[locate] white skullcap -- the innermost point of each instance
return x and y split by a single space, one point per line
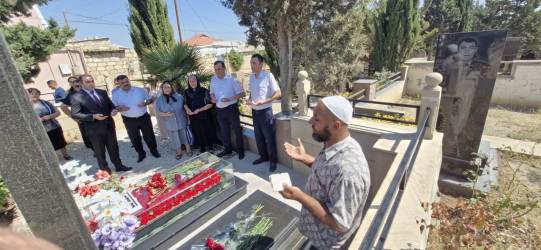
340 107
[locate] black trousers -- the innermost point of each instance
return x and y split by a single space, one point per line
229 119
138 125
106 140
86 140
203 132
264 133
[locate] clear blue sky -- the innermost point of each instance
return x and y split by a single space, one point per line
109 18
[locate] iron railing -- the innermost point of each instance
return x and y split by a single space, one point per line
387 210
355 114
245 123
391 79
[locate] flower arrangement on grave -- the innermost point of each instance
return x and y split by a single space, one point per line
164 192
110 222
241 234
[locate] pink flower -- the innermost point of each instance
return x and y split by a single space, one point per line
102 175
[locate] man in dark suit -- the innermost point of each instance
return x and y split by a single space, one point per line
94 108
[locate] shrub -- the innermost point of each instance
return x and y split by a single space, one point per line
236 59
4 193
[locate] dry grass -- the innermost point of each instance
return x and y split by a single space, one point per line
525 235
514 122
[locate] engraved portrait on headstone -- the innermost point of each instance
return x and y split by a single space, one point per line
469 63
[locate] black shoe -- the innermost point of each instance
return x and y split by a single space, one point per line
106 169
141 158
202 150
241 155
260 160
272 166
211 150
156 154
122 168
223 153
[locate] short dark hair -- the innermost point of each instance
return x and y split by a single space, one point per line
121 77
259 57
30 90
83 76
72 77
220 62
468 40
51 81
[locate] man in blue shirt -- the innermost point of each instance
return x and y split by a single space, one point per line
132 103
59 92
263 91
225 90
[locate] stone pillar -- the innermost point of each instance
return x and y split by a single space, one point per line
430 98
29 166
303 89
369 85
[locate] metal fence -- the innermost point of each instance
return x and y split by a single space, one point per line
388 81
389 205
355 114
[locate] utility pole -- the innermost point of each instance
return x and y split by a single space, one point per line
178 23
65 18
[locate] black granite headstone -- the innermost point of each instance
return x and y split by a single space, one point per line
469 63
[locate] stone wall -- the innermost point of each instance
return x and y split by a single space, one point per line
520 86
106 65
105 61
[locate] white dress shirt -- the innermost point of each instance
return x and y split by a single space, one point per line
131 99
90 94
225 88
262 88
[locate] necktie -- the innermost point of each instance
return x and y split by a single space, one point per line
96 98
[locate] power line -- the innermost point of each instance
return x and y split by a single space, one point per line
97 18
197 16
84 5
114 24
94 18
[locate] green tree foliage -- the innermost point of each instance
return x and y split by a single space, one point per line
12 8
332 51
149 25
174 62
236 59
521 17
31 45
4 193
279 24
443 16
397 28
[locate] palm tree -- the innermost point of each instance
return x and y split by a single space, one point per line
174 62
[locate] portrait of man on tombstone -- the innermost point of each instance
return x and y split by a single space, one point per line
469 64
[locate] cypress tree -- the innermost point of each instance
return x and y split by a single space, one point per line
466 14
397 27
149 24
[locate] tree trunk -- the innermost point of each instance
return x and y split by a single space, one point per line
285 55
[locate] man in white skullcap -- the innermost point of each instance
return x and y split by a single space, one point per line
338 184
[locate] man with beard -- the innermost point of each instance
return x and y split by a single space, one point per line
337 187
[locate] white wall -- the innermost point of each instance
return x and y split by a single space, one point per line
521 87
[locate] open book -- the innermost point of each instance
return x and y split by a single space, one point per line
277 181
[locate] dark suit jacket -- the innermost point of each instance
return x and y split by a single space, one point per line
83 107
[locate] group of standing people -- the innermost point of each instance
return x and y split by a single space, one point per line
92 109
336 189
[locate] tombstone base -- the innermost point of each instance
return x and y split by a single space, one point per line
454 179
